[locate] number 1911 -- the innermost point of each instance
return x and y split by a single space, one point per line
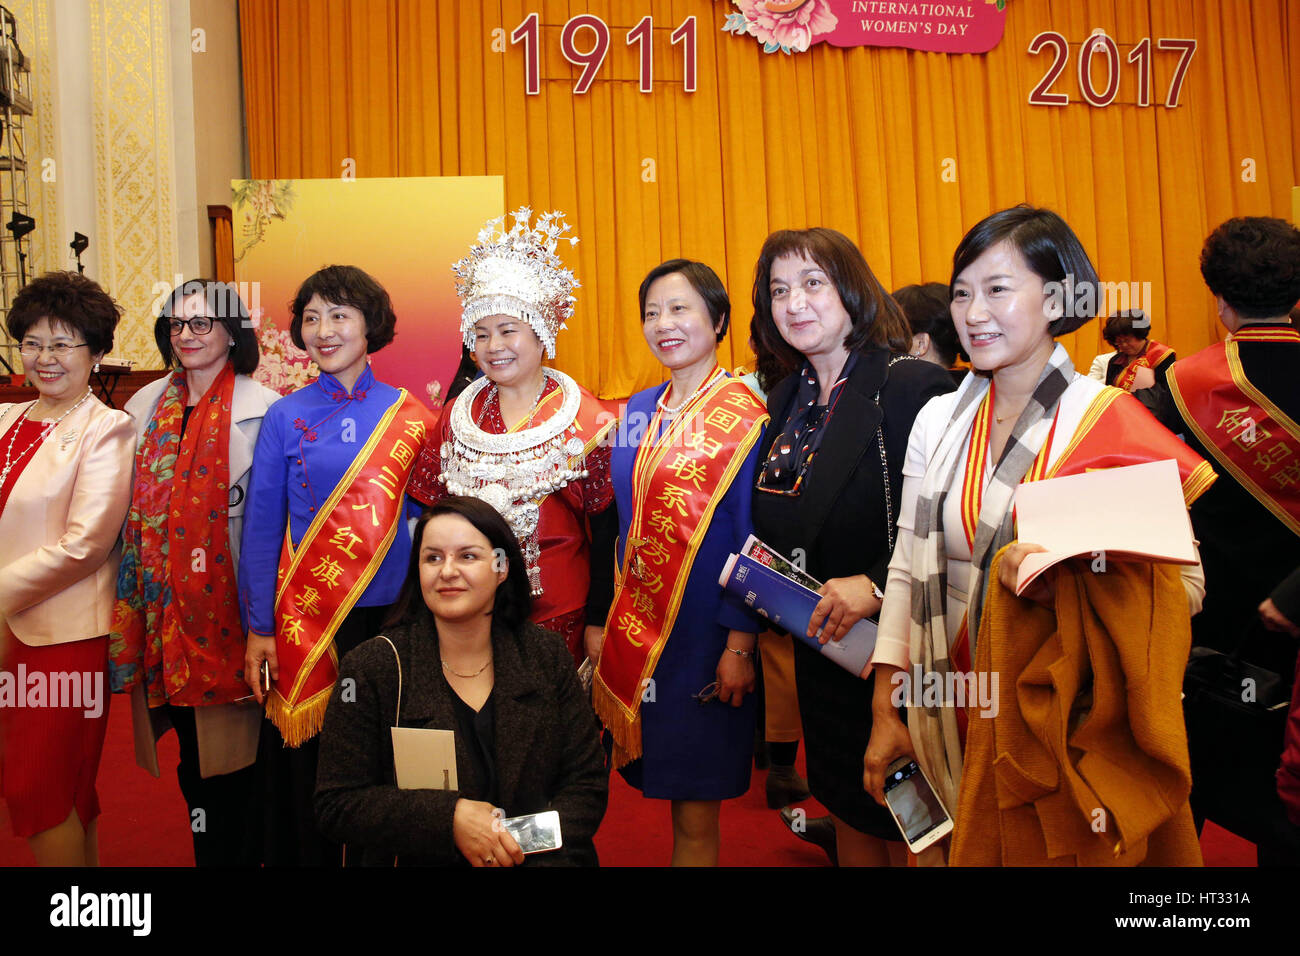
592 59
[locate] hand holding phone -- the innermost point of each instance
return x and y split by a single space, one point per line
914 805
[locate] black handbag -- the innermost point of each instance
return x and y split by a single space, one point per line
1236 715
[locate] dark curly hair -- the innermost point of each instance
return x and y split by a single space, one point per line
877 320
928 311
703 280
347 285
222 303
514 595
1049 247
68 299
1133 322
1253 263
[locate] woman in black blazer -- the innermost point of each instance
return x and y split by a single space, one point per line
525 734
828 488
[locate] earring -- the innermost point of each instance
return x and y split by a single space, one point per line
96 368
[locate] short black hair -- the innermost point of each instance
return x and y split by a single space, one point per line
1049 247
514 600
69 299
1253 263
347 285
876 318
703 280
1134 322
224 304
929 311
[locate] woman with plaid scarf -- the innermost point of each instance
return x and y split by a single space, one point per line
1020 278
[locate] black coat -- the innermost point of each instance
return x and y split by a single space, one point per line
548 754
839 524
839 519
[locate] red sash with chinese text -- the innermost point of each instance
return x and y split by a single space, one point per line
321 580
678 482
1156 354
1254 440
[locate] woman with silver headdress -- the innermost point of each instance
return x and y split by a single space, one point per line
525 438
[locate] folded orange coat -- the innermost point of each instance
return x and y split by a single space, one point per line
1085 762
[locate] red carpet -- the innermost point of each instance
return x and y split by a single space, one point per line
144 820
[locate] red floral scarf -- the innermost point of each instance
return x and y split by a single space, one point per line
176 625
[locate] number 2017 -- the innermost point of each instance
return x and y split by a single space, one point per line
592 59
1099 42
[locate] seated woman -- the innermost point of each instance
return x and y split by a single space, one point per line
459 654
1027 414
65 483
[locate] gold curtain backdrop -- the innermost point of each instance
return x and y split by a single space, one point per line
901 150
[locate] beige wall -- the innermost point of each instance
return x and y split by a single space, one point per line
218 145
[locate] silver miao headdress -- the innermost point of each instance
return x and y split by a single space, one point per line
516 272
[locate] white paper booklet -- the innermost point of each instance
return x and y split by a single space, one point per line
1134 513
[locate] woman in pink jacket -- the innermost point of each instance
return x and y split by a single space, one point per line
65 482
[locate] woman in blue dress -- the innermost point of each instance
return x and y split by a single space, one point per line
325 539
675 674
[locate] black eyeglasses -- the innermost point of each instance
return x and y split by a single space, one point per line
199 325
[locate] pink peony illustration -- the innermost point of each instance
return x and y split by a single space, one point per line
791 25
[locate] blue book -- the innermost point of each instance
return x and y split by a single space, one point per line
789 605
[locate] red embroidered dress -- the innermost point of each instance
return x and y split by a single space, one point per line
565 561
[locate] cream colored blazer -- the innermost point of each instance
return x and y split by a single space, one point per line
59 530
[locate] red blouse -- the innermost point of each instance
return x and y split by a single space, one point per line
30 433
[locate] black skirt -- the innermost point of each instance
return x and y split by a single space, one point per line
835 707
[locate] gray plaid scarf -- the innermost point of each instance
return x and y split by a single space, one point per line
934 729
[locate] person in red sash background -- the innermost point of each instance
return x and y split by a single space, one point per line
1238 403
525 438
676 669
1139 361
1020 278
325 537
177 644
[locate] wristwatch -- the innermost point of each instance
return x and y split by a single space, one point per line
880 595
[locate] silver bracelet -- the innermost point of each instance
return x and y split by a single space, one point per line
741 653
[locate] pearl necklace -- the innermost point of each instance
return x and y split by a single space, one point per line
682 404
10 461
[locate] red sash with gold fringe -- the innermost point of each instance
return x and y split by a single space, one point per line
1254 440
1156 354
321 580
678 482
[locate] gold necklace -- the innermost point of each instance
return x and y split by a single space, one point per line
447 667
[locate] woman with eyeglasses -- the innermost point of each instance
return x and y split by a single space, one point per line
676 666
177 644
65 483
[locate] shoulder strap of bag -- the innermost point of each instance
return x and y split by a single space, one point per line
397 722
890 524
